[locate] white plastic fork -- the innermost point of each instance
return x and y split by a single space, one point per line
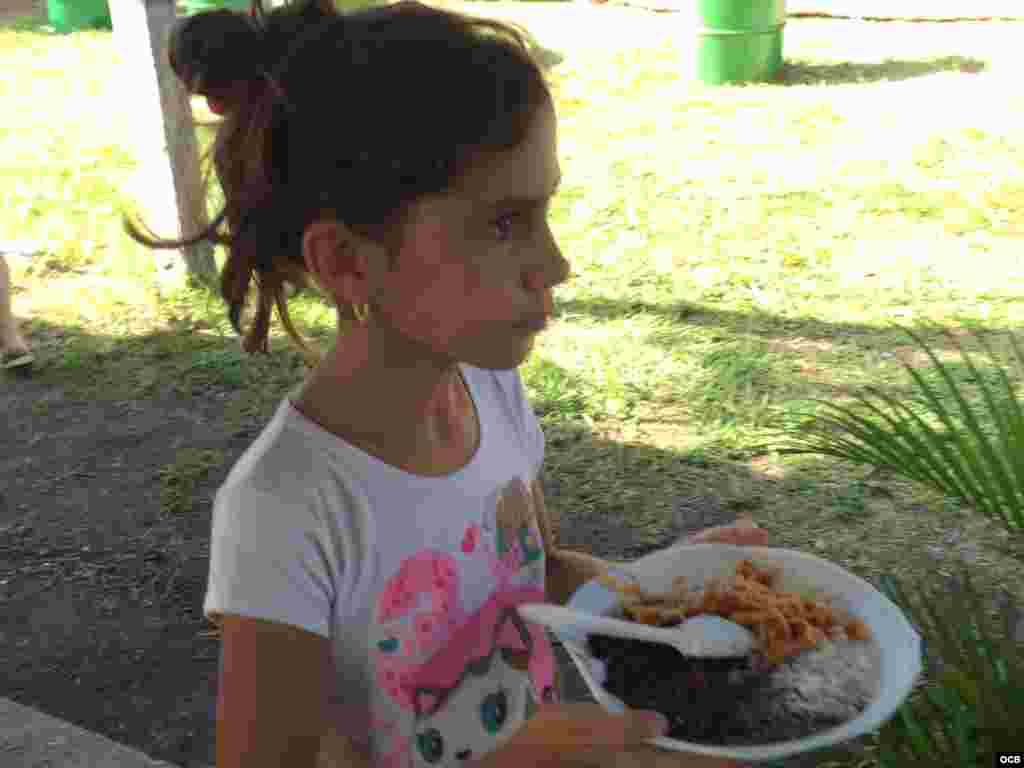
699 636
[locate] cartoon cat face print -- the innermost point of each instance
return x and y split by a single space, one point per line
488 706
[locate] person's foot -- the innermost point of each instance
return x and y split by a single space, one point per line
16 355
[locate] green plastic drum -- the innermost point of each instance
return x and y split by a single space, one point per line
190 7
739 41
73 15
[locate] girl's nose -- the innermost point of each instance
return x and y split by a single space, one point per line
556 274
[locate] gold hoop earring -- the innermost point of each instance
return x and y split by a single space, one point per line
362 312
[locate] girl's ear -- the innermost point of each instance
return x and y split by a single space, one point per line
321 252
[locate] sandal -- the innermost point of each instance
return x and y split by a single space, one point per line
21 360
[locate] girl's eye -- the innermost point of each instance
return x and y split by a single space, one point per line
503 225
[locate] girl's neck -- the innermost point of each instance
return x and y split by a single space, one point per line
415 417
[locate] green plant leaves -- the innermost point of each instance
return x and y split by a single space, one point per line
976 453
976 703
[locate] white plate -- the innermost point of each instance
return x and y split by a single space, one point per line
898 643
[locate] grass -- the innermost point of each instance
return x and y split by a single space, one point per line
178 480
738 252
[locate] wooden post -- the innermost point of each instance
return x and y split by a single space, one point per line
173 204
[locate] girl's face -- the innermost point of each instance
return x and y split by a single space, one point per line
474 277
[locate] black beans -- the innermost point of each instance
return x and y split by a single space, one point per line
716 701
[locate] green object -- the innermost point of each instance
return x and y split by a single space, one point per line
739 41
190 7
73 15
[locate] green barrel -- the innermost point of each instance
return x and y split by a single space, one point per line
189 7
739 41
73 15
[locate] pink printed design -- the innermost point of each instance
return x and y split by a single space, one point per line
428 573
474 640
531 539
429 643
513 557
503 567
398 640
471 539
428 628
517 547
395 600
395 677
397 755
510 565
419 605
418 688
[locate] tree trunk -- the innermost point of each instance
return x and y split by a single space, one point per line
173 203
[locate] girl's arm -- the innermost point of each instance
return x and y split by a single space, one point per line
566 570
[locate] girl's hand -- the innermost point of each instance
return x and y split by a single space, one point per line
586 736
743 532
647 756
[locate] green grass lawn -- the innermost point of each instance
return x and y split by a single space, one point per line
738 252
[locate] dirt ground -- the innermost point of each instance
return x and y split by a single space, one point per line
101 593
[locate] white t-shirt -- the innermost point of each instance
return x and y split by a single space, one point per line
413 579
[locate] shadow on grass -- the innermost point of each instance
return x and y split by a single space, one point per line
767 325
892 70
611 491
767 366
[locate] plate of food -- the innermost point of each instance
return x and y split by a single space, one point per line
833 657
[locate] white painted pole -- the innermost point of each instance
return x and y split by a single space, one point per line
169 184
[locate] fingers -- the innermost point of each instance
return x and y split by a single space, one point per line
743 534
578 726
640 725
587 736
755 537
653 757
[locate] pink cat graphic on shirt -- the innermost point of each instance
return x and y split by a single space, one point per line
459 675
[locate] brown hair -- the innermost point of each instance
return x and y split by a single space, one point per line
353 115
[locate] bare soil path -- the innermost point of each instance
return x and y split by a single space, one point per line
101 593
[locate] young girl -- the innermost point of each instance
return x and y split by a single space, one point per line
370 548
